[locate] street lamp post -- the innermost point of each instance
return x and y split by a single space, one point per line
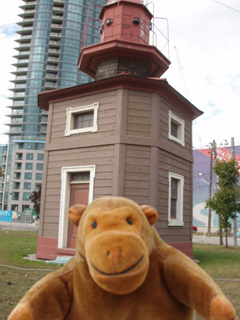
235 220
212 151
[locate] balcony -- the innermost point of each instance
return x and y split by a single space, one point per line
25 21
18 89
22 46
25 30
53 59
16 186
20 71
15 113
56 26
55 35
19 79
57 17
51 67
50 76
14 122
50 85
17 104
53 43
20 139
25 38
21 62
58 9
17 95
44 121
13 131
27 13
21 54
54 51
43 130
30 4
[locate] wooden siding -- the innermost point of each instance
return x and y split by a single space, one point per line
139 114
102 157
165 107
171 163
137 173
106 116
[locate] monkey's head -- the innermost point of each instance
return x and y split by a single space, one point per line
116 238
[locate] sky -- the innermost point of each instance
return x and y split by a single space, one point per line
204 49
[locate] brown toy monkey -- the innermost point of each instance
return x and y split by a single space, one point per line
122 270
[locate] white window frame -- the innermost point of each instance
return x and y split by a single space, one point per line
65 199
73 111
181 128
179 214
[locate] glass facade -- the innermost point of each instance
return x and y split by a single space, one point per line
49 43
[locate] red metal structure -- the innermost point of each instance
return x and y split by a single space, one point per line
125 34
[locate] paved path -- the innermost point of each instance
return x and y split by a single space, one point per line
19 226
213 240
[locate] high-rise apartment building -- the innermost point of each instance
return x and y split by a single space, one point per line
3 157
47 54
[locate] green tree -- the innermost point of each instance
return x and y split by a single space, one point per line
35 198
1 172
224 201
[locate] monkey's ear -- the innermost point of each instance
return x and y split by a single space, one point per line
75 213
150 213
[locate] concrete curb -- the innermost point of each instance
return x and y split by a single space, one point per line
19 226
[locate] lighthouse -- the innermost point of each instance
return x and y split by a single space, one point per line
128 134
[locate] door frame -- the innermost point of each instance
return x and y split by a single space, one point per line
65 198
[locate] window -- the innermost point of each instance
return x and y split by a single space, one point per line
17 175
27 186
175 205
26 196
40 156
39 176
176 129
15 196
19 156
29 156
28 176
39 166
82 119
28 166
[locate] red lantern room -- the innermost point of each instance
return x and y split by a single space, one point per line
125 20
124 46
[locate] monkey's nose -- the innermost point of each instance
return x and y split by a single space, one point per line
114 254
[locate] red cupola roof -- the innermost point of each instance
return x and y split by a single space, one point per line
124 45
132 1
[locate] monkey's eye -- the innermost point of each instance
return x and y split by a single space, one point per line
129 221
94 224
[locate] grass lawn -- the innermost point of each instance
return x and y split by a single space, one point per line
13 282
219 262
